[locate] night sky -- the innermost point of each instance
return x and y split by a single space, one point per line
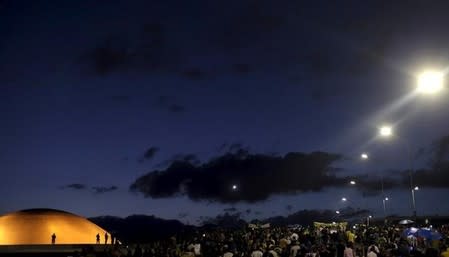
160 107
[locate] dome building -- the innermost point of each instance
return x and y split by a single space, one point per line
37 226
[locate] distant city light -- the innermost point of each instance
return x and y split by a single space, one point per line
234 187
364 156
416 188
352 182
344 199
386 199
337 212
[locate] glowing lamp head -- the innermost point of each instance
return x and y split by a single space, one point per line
344 199
337 212
364 156
386 131
430 82
234 187
352 182
386 199
416 188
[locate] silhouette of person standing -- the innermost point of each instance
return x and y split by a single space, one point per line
112 239
106 238
98 238
53 239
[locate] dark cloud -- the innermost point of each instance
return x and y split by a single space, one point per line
437 175
183 215
162 99
353 38
102 190
194 74
153 35
222 147
75 186
241 68
235 147
438 178
372 185
108 57
189 158
259 176
167 103
351 213
176 108
226 220
121 98
150 153
440 149
147 50
231 209
239 150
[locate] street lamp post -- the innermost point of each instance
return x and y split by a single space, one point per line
368 220
387 132
365 157
428 82
413 200
344 199
384 200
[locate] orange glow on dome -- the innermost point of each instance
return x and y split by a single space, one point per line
36 226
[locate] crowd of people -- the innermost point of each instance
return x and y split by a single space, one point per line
360 241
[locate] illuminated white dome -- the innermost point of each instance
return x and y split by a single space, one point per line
36 226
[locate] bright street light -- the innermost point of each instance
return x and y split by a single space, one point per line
364 156
430 82
344 199
337 212
386 131
386 198
234 187
416 188
352 182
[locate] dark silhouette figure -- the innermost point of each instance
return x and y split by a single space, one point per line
112 239
53 239
98 238
106 236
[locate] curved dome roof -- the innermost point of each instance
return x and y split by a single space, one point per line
36 226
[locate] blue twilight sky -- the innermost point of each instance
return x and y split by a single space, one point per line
89 87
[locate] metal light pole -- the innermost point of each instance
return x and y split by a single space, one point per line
414 201
385 206
387 132
365 157
368 220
